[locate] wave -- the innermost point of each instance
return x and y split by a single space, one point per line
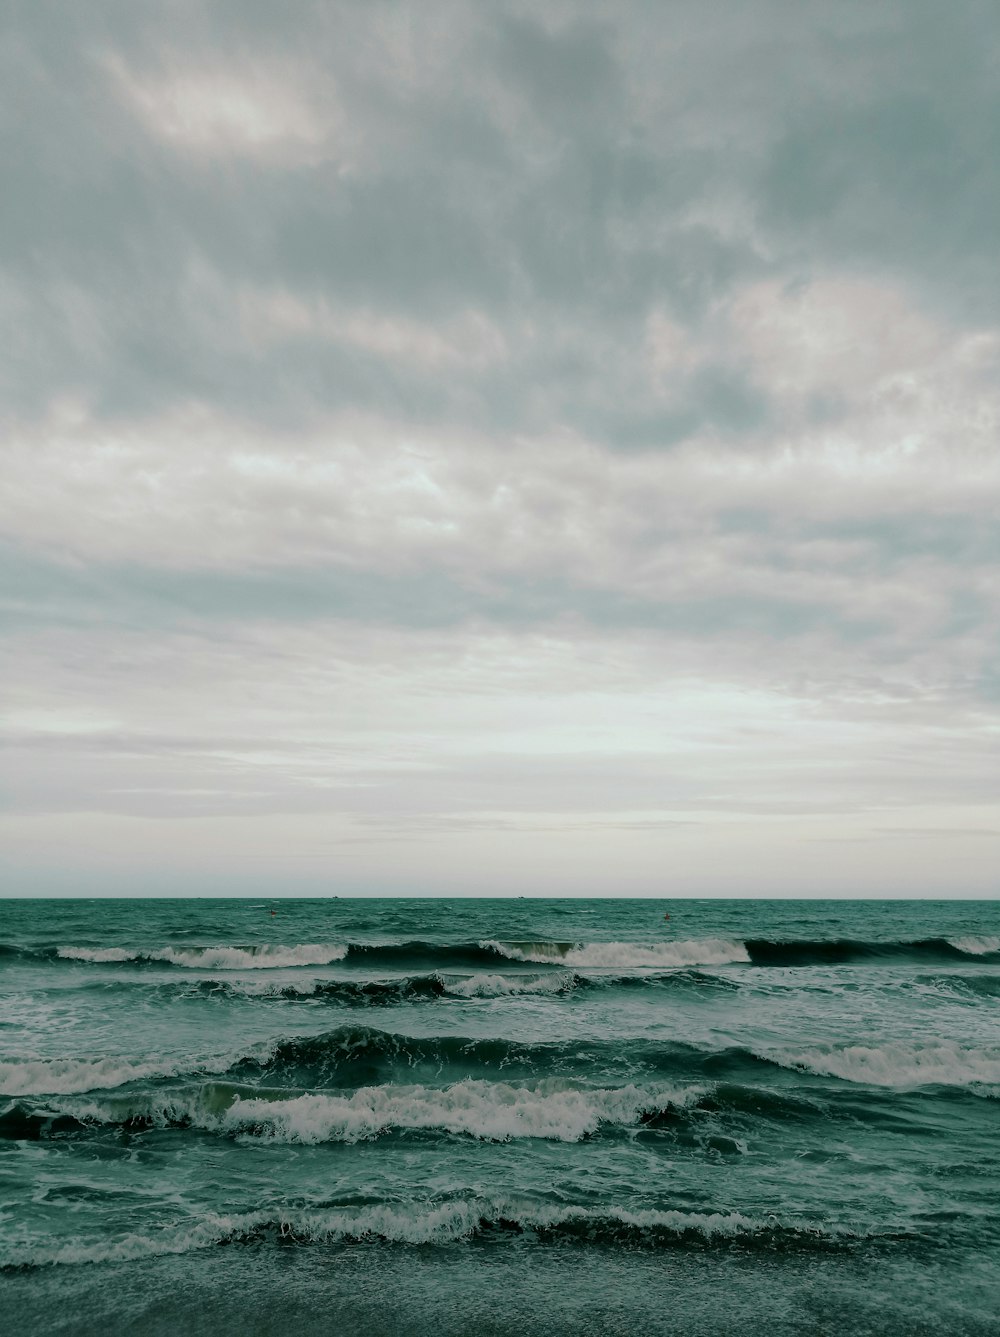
970 987
752 951
502 986
386 993
494 986
411 988
848 951
344 1056
361 1052
362 1055
358 1055
552 1109
973 945
394 955
901 1065
65 1076
713 1117
389 955
263 957
671 954
463 1220
603 955
347 993
22 1122
347 1055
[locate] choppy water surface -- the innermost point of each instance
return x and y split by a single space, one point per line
499 1116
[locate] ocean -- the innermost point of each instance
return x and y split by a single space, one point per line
499 1116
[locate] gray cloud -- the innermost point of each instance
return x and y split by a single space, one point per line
583 361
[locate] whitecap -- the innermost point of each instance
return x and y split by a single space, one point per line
264 957
417 1224
552 1109
626 955
65 1076
976 945
899 1065
499 986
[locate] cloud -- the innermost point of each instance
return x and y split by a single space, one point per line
216 113
667 339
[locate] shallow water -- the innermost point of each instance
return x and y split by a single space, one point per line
518 1115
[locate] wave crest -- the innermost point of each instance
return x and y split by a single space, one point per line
670 954
66 1076
973 945
461 1220
551 1109
624 955
901 1065
263 957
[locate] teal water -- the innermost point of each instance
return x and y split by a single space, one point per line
500 1116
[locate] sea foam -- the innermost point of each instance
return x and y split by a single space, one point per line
500 986
900 1065
553 1110
973 945
264 957
625 955
448 1222
64 1076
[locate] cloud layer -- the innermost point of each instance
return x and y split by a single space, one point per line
501 448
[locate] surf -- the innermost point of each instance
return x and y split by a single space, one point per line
469 1220
669 954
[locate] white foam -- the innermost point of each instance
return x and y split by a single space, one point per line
264 957
211 1230
99 954
900 1065
64 1076
499 986
976 945
262 988
403 1223
458 1220
626 955
554 1109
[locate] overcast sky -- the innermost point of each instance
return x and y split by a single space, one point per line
457 448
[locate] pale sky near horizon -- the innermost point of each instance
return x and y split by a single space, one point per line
500 448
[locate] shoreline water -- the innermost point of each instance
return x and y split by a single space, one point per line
531 1116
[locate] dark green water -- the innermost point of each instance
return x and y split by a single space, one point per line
500 1116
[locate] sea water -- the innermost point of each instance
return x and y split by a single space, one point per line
500 1116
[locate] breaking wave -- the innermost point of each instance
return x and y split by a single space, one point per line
624 955
499 986
262 957
671 954
551 1109
976 946
847 951
971 987
345 1056
64 1076
415 988
901 1065
349 1057
464 1220
346 993
359 1053
387 993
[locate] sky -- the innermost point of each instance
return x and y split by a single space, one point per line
500 448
